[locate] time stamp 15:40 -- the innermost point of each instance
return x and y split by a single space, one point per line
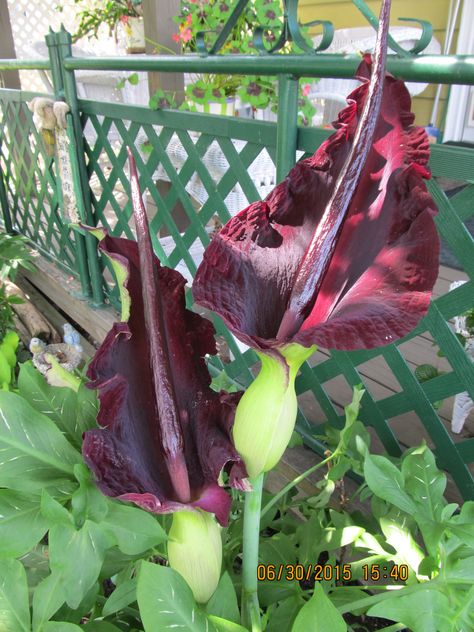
329 572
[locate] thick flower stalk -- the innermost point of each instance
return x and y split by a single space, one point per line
164 435
343 253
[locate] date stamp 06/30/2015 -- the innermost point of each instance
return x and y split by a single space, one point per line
329 572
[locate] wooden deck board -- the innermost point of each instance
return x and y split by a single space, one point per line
51 313
64 291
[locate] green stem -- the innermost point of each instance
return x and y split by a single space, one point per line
250 605
296 481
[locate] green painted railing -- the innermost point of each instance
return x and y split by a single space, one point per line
174 151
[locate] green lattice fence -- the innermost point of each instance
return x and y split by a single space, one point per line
187 196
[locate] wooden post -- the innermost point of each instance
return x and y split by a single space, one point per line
159 28
11 78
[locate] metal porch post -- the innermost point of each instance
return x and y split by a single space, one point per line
79 240
287 124
78 165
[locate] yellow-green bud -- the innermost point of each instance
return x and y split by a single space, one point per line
266 414
195 551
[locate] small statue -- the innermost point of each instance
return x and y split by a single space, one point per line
67 354
48 115
71 336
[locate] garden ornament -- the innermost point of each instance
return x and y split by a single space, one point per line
342 254
66 355
48 115
71 336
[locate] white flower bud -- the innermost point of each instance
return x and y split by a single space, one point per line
195 551
266 414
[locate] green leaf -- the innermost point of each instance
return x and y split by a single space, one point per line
336 538
351 412
133 79
87 501
386 481
100 626
339 469
424 482
5 370
421 611
426 372
462 569
309 536
53 511
224 625
223 602
133 529
73 412
21 525
9 347
14 606
284 615
327 487
279 549
15 300
166 601
123 596
319 615
426 485
77 556
448 511
33 452
61 626
463 525
48 597
271 592
36 563
428 566
76 614
115 562
397 533
56 403
87 408
296 439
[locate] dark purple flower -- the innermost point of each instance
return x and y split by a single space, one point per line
164 435
344 252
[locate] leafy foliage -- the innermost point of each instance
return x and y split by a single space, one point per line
92 15
14 254
70 539
208 19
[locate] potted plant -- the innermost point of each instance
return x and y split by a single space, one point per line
217 93
124 14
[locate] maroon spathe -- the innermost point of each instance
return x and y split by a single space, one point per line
154 415
385 262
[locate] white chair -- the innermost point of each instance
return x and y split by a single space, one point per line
329 94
